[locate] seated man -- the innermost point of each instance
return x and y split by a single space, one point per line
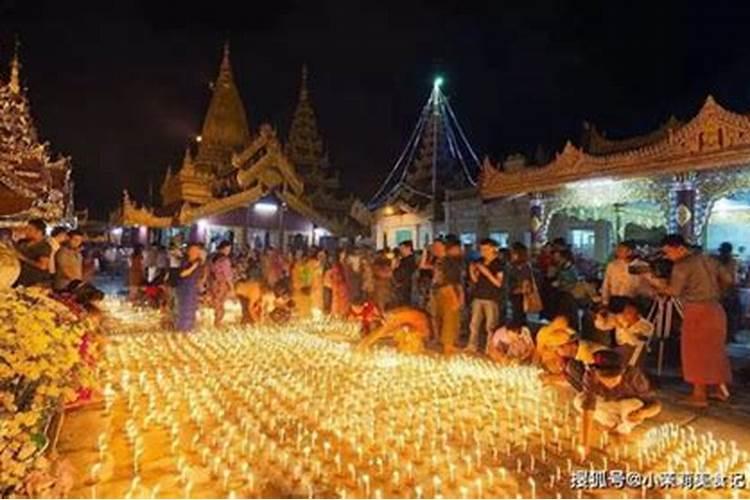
556 343
614 395
632 331
409 328
511 342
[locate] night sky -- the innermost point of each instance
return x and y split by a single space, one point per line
122 86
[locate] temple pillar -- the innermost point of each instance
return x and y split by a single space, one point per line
282 239
536 220
619 226
682 198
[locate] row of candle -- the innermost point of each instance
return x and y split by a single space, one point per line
287 411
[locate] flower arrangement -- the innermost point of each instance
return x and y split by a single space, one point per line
45 362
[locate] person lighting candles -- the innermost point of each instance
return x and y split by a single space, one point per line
614 395
511 342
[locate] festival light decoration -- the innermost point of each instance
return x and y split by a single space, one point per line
293 410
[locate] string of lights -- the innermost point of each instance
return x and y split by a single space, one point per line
436 117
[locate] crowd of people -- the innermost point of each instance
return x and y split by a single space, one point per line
509 304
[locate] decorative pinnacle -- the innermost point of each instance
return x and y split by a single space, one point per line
303 87
225 69
15 69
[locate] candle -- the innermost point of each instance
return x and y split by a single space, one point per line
532 485
95 471
478 485
436 485
366 483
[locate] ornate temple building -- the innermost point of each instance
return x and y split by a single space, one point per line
412 201
305 149
691 177
32 183
246 185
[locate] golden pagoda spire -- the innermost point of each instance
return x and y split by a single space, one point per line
225 130
15 71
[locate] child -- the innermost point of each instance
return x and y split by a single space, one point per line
511 342
556 345
614 395
632 331
368 314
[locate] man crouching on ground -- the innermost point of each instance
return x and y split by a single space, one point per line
615 395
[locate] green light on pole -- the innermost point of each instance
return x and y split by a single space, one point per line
438 82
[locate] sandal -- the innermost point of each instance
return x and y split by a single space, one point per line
721 394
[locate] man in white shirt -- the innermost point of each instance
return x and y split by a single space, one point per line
619 283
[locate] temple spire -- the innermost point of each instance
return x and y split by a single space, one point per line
304 145
303 86
225 130
15 72
225 70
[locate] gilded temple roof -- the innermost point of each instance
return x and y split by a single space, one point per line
225 129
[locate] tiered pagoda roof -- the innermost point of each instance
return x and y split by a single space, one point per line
596 142
234 168
305 149
32 184
714 139
225 130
